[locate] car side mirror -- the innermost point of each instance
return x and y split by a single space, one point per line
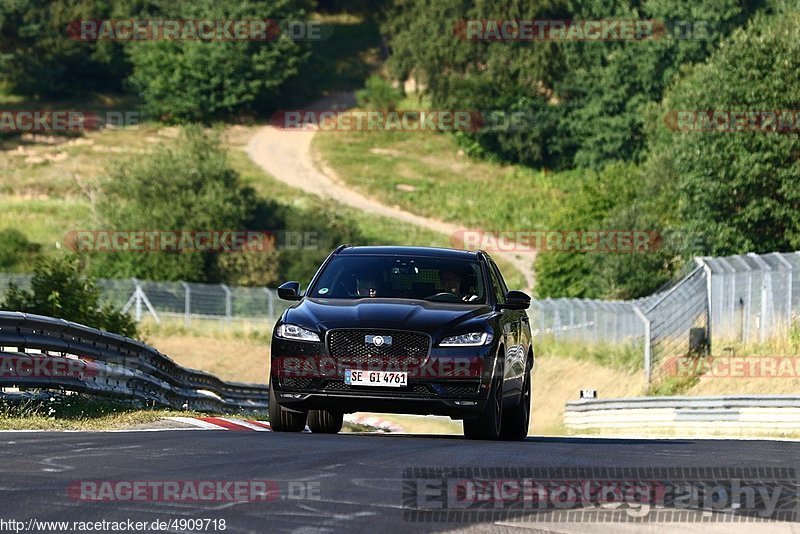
289 291
516 300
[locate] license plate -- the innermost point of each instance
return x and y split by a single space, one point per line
395 379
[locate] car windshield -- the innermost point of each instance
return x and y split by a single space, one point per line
405 277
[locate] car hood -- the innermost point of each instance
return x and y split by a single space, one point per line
401 314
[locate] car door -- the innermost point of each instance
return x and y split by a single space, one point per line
515 351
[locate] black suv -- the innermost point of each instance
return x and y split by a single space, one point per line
410 330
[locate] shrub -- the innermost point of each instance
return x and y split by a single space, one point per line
189 186
58 289
378 94
15 249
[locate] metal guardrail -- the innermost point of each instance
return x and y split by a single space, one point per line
745 413
44 352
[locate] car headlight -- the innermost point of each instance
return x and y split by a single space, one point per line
292 331
473 339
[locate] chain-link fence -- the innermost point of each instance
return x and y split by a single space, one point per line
592 321
675 320
753 297
143 298
746 298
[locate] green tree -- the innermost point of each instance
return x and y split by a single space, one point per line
736 192
584 99
191 80
618 198
39 57
59 289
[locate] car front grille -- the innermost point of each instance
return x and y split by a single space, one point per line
462 389
407 351
339 385
296 383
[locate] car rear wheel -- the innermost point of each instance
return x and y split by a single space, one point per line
516 419
325 422
488 424
282 420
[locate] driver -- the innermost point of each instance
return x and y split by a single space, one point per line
451 281
366 286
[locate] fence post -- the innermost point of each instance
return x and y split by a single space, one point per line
270 302
709 293
766 296
571 317
647 350
187 305
747 308
541 317
556 320
228 307
789 276
138 301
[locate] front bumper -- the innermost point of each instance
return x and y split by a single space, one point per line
379 402
453 381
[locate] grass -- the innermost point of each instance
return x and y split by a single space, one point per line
77 412
427 173
373 228
626 358
44 201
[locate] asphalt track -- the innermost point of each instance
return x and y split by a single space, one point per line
359 476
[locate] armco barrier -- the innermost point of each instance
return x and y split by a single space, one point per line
734 414
64 355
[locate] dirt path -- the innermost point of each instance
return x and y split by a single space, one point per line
286 155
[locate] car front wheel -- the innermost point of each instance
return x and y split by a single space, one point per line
325 422
282 420
489 423
516 419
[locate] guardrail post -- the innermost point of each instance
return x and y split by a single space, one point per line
187 305
647 350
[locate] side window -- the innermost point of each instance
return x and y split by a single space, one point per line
498 286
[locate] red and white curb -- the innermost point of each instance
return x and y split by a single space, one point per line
250 425
224 423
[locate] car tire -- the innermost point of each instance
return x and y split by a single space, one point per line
325 422
489 423
516 420
282 420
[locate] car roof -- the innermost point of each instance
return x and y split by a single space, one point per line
431 252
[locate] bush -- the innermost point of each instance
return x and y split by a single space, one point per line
186 186
15 249
378 94
58 289
621 198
